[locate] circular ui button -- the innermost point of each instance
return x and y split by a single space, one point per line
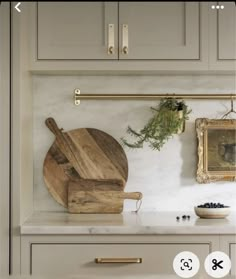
186 264
217 264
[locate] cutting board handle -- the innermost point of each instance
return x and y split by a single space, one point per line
64 144
131 195
52 126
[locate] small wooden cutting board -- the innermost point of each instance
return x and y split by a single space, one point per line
91 196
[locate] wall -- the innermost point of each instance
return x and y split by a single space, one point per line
166 178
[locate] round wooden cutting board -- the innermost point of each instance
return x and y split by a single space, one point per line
94 155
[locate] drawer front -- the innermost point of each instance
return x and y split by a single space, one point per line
74 259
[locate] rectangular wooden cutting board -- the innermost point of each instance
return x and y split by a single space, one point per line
97 196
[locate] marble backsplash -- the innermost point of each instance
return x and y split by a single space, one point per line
167 178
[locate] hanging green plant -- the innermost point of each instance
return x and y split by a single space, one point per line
168 119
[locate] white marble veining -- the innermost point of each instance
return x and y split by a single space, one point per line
166 178
127 223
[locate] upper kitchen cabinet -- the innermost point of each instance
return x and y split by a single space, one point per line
159 30
148 30
222 36
77 30
118 36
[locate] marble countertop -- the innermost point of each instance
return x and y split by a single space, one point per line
126 223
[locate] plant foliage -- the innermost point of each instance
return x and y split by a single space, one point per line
164 123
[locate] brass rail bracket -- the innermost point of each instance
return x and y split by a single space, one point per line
77 97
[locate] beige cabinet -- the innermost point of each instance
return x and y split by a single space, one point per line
130 36
232 249
228 246
222 35
159 30
117 36
147 30
157 258
77 30
135 255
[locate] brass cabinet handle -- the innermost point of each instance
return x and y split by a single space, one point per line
111 50
125 39
125 50
118 260
111 39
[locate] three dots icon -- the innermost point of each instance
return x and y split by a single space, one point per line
217 7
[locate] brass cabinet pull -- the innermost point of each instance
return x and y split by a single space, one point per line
111 50
125 49
111 39
118 260
125 39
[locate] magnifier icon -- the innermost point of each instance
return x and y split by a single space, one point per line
186 264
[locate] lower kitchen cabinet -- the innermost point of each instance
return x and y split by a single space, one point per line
55 255
143 244
232 253
228 246
76 258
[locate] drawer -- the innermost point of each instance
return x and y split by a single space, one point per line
74 258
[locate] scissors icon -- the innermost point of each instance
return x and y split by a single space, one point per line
216 264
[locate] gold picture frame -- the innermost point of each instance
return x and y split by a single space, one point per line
216 150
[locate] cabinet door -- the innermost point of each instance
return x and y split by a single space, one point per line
222 35
232 249
228 246
160 30
76 30
226 22
73 259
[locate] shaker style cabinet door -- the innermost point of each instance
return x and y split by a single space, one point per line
226 22
159 30
77 30
222 35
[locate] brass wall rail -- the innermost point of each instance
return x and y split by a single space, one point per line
78 96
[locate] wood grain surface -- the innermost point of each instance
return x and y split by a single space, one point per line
97 197
84 153
96 184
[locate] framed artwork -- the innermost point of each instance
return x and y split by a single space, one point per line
216 150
